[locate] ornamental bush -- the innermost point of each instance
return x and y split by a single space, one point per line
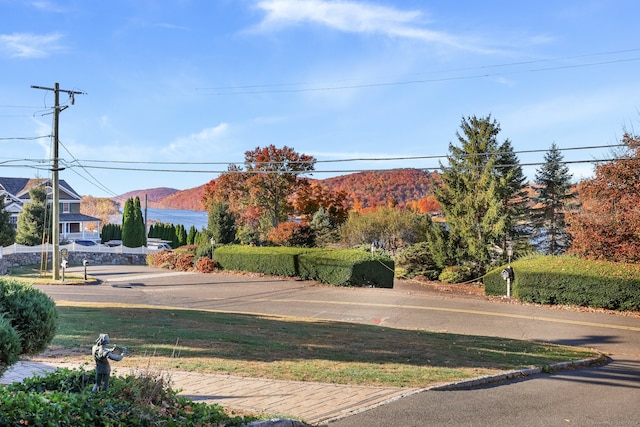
9 345
64 397
31 312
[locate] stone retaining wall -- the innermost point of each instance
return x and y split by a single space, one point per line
75 258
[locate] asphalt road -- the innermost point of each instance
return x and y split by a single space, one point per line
604 396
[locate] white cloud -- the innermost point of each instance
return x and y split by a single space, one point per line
358 17
196 142
27 45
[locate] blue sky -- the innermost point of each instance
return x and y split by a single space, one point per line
193 84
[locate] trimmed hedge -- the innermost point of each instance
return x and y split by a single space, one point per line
337 267
276 261
346 268
567 280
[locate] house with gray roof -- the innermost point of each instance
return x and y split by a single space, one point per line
73 224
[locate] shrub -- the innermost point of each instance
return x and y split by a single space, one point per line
569 280
338 267
184 262
455 274
9 345
63 397
416 260
31 312
205 265
266 260
164 259
346 268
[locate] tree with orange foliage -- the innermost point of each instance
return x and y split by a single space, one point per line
608 224
268 180
310 198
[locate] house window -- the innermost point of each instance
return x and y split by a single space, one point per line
66 207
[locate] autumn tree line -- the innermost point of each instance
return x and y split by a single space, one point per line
481 208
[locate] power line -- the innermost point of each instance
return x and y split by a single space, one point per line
356 159
24 138
268 88
94 181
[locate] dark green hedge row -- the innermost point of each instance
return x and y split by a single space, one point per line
336 267
566 280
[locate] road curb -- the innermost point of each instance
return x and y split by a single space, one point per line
481 381
521 373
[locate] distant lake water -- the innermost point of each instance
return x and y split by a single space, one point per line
198 219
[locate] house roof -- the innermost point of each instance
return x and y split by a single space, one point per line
17 186
76 217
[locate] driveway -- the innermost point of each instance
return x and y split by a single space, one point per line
608 395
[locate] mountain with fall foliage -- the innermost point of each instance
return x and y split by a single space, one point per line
378 188
364 189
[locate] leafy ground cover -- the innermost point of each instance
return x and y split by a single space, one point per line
64 398
294 348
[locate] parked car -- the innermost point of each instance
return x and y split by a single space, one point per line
85 242
159 246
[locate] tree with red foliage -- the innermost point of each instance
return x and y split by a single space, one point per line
608 224
268 180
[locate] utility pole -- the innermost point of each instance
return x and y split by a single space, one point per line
55 168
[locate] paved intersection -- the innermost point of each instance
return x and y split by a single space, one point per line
405 306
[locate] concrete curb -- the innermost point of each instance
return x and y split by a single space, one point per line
521 373
488 379
277 422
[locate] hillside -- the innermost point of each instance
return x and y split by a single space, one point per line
154 196
367 189
377 188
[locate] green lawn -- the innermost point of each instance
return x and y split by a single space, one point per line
296 349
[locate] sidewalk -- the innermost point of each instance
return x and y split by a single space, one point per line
313 403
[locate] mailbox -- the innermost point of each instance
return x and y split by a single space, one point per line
507 274
85 262
64 263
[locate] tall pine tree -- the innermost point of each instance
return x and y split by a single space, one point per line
140 227
471 194
553 196
514 198
128 227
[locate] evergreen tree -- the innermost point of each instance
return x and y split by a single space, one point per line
128 225
325 228
191 236
471 194
222 223
553 196
33 221
133 228
7 230
111 232
514 197
141 227
181 235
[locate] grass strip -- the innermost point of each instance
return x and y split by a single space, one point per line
287 348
